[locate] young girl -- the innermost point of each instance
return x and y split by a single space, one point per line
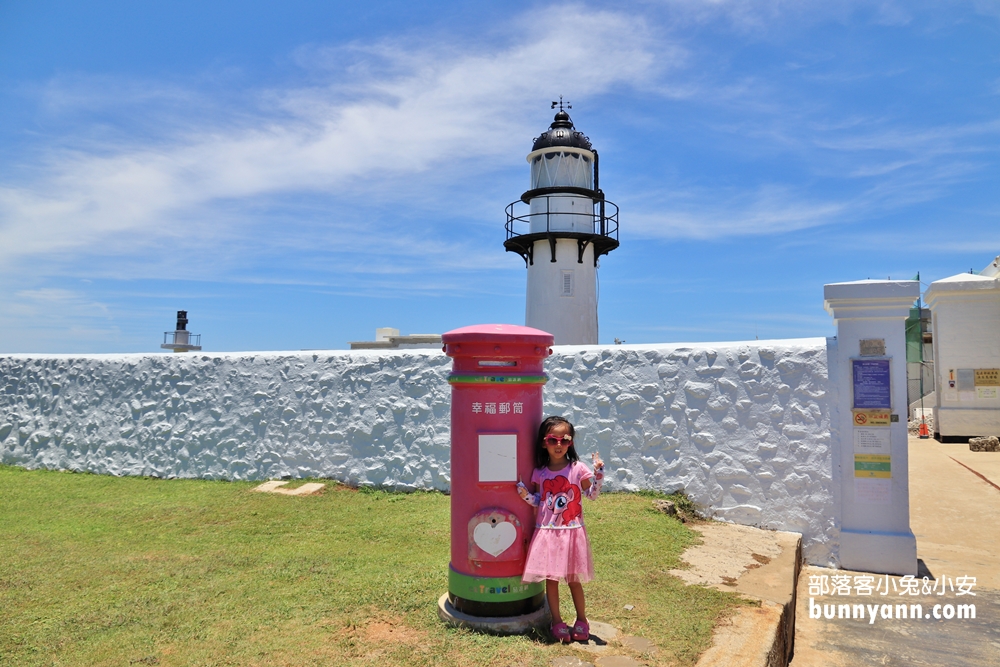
559 549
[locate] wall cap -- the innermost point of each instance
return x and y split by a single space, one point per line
963 284
870 299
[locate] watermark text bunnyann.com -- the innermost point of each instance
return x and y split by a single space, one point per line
901 605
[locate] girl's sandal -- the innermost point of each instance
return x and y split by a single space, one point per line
561 632
581 631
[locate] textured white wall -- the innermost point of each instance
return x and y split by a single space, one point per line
744 428
363 417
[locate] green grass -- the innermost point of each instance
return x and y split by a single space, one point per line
135 571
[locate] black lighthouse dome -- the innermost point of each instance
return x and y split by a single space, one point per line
562 133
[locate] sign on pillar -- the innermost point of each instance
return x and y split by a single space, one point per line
871 390
868 375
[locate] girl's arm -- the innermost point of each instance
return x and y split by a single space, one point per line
532 499
593 489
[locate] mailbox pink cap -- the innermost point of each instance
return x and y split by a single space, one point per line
512 333
497 341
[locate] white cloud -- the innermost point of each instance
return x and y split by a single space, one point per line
761 17
426 108
926 142
701 214
386 132
35 317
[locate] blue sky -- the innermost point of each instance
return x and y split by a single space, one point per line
297 174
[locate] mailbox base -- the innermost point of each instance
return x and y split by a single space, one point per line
500 625
495 609
493 596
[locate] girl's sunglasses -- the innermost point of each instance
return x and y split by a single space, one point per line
564 440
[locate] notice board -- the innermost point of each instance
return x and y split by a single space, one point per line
872 384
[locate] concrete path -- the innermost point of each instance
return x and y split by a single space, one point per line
954 504
275 486
757 563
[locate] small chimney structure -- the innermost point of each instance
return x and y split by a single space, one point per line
181 340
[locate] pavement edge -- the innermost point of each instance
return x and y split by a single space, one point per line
762 636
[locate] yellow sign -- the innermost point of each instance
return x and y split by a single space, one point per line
988 377
873 465
871 417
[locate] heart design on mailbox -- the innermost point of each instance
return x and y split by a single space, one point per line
494 537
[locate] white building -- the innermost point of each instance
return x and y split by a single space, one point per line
966 323
388 338
568 226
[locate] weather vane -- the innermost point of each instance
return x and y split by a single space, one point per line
560 104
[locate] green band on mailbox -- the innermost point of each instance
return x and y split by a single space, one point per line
491 589
498 379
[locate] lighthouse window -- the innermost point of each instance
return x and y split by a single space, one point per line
567 283
558 170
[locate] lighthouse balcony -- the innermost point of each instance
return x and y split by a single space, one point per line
562 216
181 341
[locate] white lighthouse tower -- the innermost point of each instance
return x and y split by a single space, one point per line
568 226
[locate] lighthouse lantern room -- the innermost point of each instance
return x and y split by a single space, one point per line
567 227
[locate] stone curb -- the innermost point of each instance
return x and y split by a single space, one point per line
761 636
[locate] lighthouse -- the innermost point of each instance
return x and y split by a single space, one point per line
561 236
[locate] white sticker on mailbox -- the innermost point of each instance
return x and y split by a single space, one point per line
498 458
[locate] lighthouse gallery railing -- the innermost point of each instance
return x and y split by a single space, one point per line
603 220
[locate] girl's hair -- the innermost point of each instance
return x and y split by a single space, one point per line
542 454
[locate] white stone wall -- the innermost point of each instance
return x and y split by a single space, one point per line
743 428
361 417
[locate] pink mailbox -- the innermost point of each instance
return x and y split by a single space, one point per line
496 407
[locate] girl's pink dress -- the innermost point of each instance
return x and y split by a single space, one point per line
560 549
